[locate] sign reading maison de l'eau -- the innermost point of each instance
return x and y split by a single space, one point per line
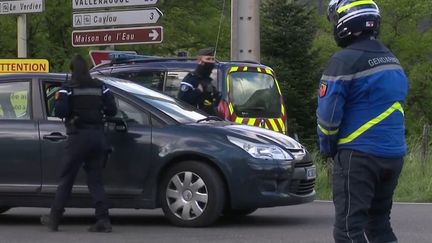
21 7
83 4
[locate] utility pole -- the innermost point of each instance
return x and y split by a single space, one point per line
22 35
245 30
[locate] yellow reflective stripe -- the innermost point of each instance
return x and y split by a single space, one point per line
228 84
353 4
396 106
266 126
259 70
233 69
231 108
281 123
283 110
268 70
238 120
327 132
251 121
245 69
277 85
273 123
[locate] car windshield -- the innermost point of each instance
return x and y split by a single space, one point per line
255 95
174 108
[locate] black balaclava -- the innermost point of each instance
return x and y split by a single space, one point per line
204 70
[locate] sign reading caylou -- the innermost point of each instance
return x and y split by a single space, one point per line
85 4
113 18
21 7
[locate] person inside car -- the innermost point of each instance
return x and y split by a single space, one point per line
197 89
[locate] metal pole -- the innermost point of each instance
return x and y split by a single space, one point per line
22 35
245 30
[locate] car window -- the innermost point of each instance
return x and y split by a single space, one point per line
15 100
50 88
255 94
130 114
173 82
150 79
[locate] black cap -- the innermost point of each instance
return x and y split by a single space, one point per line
206 52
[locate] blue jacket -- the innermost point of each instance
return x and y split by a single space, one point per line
360 101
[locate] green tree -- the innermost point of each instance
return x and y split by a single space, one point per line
287 35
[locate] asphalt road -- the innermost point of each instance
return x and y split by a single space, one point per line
303 223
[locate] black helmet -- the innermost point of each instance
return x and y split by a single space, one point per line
351 18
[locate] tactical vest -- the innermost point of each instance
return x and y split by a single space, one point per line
87 105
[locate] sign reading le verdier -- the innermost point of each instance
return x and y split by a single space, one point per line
21 7
83 4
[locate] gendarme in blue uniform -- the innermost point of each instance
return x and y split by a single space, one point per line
360 102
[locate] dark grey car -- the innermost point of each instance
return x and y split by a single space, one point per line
171 156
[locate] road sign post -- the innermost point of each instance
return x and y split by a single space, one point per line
120 36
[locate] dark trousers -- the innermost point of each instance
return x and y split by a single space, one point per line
87 147
363 187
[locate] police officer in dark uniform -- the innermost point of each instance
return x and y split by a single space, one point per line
361 123
84 103
197 89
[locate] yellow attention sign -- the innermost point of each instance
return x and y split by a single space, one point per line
24 66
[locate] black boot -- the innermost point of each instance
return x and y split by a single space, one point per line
102 225
52 220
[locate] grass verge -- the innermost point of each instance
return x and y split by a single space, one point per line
415 182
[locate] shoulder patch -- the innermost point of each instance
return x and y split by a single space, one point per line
322 89
184 88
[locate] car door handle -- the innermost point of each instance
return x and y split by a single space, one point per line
55 136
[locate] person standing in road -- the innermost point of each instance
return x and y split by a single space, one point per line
196 88
361 123
84 102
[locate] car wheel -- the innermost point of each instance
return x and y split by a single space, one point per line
239 212
192 194
3 209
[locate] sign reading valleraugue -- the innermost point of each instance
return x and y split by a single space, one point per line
83 4
21 7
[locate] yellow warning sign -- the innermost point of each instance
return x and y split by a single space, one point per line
24 66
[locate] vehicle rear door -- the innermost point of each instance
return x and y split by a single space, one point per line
254 98
20 165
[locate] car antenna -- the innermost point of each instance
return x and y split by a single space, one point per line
220 27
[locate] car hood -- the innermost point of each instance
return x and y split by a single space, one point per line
254 134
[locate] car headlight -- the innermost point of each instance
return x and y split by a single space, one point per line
261 151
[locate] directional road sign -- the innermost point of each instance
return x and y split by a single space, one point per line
21 7
87 4
121 36
117 18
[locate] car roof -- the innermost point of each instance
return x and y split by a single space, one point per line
168 62
32 75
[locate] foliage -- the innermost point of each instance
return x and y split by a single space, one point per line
286 40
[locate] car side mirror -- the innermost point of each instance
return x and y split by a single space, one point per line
119 124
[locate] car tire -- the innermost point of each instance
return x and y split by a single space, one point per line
192 194
3 209
239 212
